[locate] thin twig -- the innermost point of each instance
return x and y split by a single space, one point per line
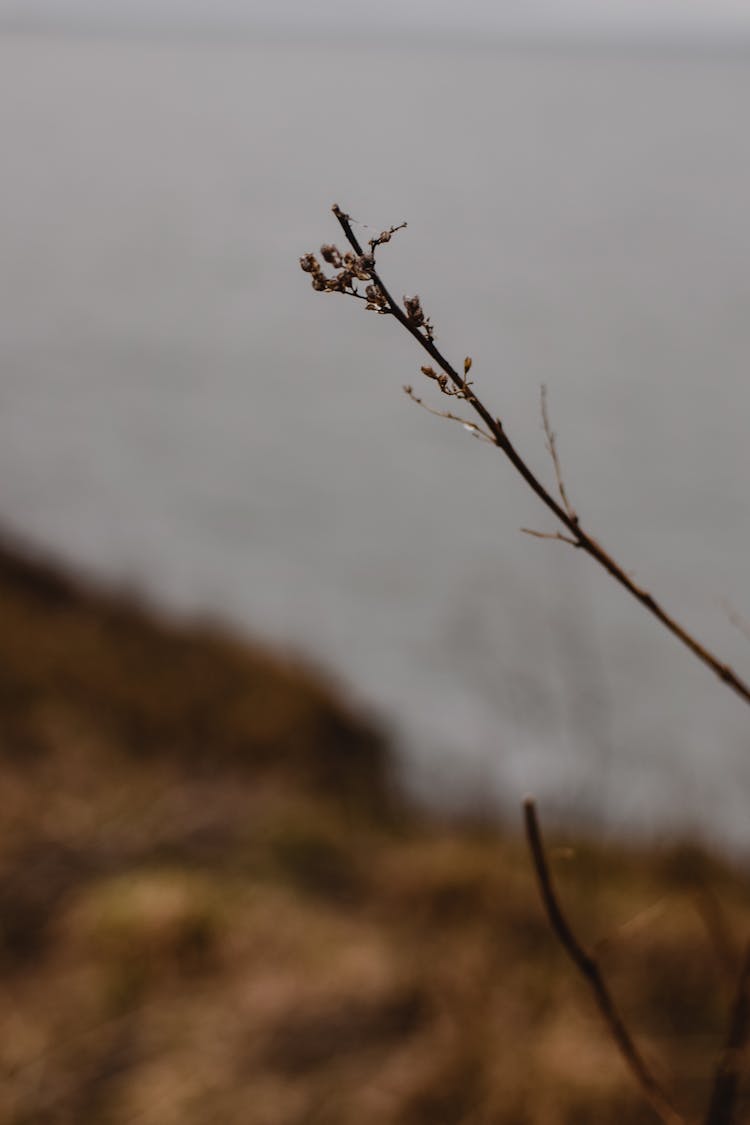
474 429
411 317
589 969
551 437
723 1102
558 535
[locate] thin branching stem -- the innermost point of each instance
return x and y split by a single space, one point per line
563 510
551 437
476 430
588 967
410 315
558 535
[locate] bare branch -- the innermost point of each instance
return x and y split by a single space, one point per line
550 535
410 316
552 449
385 236
721 1109
589 969
472 427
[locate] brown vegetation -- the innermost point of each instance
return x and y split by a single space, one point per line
213 909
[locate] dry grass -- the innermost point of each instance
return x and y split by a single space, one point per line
213 909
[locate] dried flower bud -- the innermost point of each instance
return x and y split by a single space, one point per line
385 236
414 311
331 255
467 365
429 372
309 263
319 282
375 296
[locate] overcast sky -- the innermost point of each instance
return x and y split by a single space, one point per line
679 18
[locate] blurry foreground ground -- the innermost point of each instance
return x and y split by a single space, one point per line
214 909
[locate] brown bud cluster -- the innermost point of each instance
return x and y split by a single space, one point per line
462 390
385 236
414 311
310 264
351 267
376 298
439 377
331 254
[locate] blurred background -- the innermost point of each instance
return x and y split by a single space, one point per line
262 601
182 415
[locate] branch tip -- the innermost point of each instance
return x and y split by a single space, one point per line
411 317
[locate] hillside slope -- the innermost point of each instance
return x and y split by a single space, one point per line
213 908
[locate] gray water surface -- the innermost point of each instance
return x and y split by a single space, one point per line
180 411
